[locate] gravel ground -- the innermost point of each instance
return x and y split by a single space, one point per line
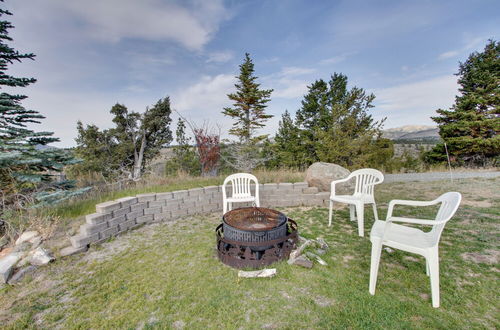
433 176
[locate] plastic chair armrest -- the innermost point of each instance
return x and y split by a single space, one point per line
395 202
338 181
413 220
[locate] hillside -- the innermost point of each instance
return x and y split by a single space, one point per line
412 132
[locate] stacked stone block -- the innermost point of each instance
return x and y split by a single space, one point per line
115 217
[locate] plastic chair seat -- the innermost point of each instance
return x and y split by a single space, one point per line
242 199
401 237
352 199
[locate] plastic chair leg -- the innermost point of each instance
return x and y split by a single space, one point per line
375 261
434 271
360 216
352 214
375 214
330 214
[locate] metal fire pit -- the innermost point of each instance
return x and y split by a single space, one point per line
254 237
253 225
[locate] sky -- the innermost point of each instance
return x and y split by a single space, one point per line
93 54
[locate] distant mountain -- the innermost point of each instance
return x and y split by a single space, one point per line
44 147
412 132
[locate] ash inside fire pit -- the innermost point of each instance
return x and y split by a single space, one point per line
255 237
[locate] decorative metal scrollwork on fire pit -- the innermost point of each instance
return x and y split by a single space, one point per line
255 237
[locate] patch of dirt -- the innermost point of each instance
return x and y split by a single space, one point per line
179 324
322 301
410 258
397 266
491 257
424 296
476 203
107 250
347 258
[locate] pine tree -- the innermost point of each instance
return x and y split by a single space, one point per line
125 149
184 158
248 111
470 127
334 125
249 104
27 164
288 148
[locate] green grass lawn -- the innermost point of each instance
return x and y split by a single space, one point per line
167 276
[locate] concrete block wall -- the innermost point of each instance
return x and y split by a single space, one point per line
115 217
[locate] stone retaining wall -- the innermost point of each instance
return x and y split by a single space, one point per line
115 217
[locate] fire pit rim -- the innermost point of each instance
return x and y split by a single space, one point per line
281 219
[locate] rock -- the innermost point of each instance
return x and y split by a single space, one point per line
258 273
70 250
26 236
24 261
20 274
322 174
314 256
23 247
297 252
5 252
320 252
388 249
322 243
3 241
7 264
301 261
40 257
35 242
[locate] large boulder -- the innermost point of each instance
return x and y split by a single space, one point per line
322 174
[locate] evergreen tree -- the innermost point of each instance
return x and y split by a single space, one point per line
126 148
248 111
288 148
249 104
470 127
334 125
184 158
27 164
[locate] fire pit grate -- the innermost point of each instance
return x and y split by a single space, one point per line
254 218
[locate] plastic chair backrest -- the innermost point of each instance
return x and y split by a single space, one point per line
366 179
241 185
449 205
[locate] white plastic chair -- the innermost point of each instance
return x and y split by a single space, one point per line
412 239
241 192
366 179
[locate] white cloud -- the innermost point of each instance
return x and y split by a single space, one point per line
204 100
295 71
450 54
192 25
336 59
220 57
470 43
287 84
290 88
416 102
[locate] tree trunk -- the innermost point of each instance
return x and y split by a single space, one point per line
138 158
